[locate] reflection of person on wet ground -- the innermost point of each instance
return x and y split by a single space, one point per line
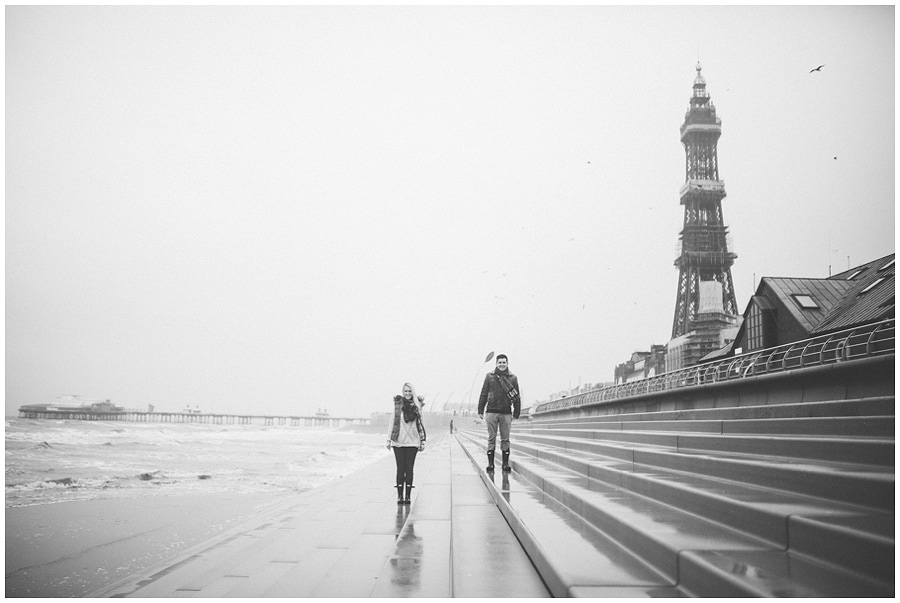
406 436
504 484
406 562
402 514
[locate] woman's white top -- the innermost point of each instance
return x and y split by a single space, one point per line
408 435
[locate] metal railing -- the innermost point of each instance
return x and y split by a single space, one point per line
876 339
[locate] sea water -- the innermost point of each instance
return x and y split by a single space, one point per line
50 461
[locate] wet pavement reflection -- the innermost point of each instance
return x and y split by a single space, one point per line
504 484
406 564
402 514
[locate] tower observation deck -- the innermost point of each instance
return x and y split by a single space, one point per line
705 286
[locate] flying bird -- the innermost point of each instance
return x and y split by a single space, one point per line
819 68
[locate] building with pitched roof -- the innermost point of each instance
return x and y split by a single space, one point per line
786 310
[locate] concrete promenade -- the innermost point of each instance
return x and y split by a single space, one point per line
349 538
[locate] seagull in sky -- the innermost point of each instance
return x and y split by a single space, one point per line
819 68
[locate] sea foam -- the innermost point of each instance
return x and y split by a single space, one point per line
53 461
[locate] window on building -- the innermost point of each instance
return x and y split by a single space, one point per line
855 274
806 301
755 330
886 266
874 284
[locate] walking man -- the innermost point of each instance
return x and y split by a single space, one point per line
501 399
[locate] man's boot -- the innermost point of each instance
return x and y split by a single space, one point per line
399 494
490 466
506 467
409 488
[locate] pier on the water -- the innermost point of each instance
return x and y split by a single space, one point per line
185 417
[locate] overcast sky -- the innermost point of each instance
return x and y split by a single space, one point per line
282 209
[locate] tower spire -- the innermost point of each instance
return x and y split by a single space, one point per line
705 286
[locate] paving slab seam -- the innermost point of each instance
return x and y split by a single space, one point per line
134 583
253 559
406 570
267 518
452 551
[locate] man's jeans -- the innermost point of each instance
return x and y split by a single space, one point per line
496 420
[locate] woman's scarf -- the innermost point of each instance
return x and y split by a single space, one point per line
410 411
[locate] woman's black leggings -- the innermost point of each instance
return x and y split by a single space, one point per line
406 458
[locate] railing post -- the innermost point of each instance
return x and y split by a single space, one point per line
869 341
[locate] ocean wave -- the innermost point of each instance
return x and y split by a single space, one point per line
61 483
102 460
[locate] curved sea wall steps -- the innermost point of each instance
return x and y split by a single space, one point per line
573 558
877 406
763 461
725 501
876 451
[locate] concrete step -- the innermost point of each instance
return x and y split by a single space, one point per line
854 483
882 406
772 574
864 485
762 512
660 514
652 531
574 558
860 426
863 427
868 450
872 555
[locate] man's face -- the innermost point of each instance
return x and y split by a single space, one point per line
502 364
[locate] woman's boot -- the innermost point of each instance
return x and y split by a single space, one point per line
490 465
506 467
409 488
399 494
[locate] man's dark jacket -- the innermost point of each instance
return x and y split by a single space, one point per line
494 398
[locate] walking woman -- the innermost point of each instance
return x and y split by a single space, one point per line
407 437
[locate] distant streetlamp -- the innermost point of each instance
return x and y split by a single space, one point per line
486 360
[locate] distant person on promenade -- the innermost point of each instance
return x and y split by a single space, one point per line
501 398
406 435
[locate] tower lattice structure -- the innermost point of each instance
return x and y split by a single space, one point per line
704 253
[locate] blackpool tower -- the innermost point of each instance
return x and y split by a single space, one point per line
705 307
